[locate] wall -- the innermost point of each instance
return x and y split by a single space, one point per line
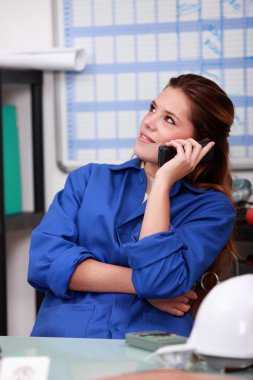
28 24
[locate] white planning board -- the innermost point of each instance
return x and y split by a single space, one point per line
134 47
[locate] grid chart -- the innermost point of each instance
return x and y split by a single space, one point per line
134 47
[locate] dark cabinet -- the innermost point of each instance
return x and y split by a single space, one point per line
34 79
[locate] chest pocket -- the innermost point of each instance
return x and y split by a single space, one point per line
63 320
129 231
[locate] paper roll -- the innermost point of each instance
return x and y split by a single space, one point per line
54 59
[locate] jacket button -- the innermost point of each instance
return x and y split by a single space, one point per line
141 180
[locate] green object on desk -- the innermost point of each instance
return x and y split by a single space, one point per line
152 340
12 176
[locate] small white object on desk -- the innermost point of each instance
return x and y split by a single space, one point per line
24 368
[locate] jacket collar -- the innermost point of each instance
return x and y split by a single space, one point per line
194 188
135 163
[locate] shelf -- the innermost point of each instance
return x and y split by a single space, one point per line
14 76
245 268
33 78
22 221
243 232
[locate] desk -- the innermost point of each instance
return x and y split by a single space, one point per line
80 359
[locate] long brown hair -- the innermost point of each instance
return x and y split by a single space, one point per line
212 114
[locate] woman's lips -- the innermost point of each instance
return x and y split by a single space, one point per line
145 138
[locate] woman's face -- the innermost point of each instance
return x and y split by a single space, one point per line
167 119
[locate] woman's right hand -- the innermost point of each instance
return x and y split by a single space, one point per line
176 306
189 154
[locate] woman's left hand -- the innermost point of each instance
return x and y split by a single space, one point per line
176 306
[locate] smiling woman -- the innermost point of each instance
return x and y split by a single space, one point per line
168 119
113 260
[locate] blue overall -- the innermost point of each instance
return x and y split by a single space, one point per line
98 215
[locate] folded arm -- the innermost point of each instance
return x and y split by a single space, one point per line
94 276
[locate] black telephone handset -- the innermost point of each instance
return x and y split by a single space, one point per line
166 153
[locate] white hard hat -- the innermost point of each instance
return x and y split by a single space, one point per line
223 329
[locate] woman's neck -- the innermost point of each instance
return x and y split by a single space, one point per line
150 169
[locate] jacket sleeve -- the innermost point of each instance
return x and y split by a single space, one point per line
54 253
167 264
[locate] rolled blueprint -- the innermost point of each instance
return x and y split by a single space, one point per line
54 59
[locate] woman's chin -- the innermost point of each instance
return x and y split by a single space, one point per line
151 156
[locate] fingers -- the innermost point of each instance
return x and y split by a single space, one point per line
183 303
176 312
179 305
183 299
179 147
202 150
179 310
187 150
188 297
183 307
191 295
176 306
191 149
206 149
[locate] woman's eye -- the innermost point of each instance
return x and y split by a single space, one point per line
151 108
169 120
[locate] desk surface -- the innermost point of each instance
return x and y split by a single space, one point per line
80 359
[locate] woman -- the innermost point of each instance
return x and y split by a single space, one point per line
121 246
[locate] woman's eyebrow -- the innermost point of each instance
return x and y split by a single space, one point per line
167 112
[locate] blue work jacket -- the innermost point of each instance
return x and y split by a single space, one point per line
98 215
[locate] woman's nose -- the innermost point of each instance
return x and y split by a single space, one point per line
150 122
